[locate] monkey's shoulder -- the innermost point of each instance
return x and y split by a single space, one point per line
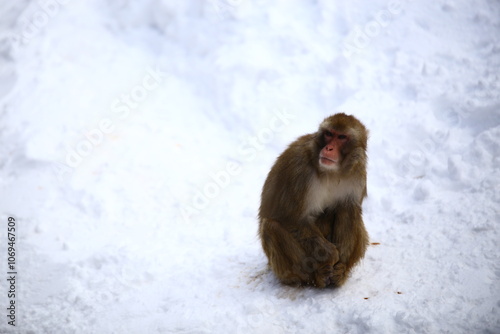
298 154
303 143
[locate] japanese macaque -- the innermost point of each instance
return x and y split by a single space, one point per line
310 217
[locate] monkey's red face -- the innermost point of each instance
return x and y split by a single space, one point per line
330 156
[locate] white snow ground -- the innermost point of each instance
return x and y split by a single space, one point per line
135 138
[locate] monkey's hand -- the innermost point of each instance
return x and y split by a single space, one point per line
323 257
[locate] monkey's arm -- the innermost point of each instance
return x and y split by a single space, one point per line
350 237
319 255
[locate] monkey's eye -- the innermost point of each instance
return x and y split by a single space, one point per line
328 133
342 137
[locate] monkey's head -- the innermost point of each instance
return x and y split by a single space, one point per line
341 142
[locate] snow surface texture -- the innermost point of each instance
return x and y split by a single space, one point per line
136 137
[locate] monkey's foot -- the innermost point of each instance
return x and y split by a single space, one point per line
339 274
323 276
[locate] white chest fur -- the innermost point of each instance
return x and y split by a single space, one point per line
326 192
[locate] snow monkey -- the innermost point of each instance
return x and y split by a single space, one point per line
310 216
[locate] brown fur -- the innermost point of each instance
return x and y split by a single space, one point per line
311 224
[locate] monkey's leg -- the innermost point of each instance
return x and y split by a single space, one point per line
284 253
303 256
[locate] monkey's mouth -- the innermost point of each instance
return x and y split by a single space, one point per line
327 161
